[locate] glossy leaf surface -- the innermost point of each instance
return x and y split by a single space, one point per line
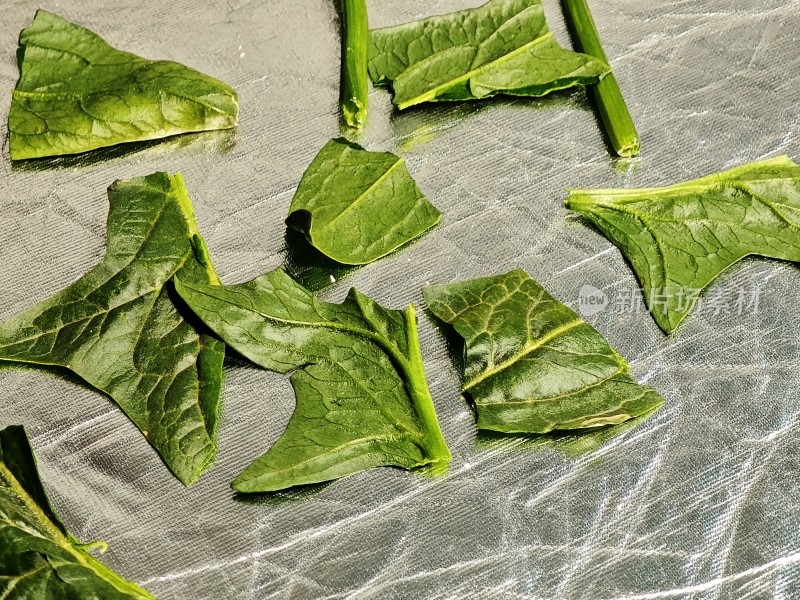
356 206
531 364
679 238
76 93
357 373
121 330
502 47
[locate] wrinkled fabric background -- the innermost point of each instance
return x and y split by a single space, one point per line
699 501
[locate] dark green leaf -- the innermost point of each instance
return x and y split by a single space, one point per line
39 559
120 329
503 47
679 238
76 93
362 399
573 443
532 364
356 206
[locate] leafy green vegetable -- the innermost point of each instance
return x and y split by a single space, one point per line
354 89
120 329
606 93
532 364
503 47
356 206
679 238
76 93
39 558
362 398
573 443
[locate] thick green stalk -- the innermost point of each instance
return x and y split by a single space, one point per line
354 90
606 94
435 446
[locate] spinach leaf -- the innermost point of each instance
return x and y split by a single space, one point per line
356 206
39 558
503 47
357 373
121 330
679 238
531 364
76 93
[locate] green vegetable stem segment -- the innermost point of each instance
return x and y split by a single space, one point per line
606 93
357 373
531 364
679 238
502 47
39 558
119 329
356 206
76 93
354 89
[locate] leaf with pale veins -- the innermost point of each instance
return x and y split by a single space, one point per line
76 93
121 328
679 238
501 47
356 369
356 206
531 364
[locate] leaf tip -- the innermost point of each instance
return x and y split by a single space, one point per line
245 484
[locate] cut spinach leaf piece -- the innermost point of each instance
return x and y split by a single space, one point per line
679 238
76 93
356 206
356 369
502 47
122 329
39 558
531 364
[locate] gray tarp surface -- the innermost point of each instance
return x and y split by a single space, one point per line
700 501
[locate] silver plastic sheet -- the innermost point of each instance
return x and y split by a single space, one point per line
699 501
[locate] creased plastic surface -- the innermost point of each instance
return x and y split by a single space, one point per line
700 501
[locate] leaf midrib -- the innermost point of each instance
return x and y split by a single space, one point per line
526 401
625 196
82 95
59 538
431 93
32 505
525 351
408 374
361 197
279 474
